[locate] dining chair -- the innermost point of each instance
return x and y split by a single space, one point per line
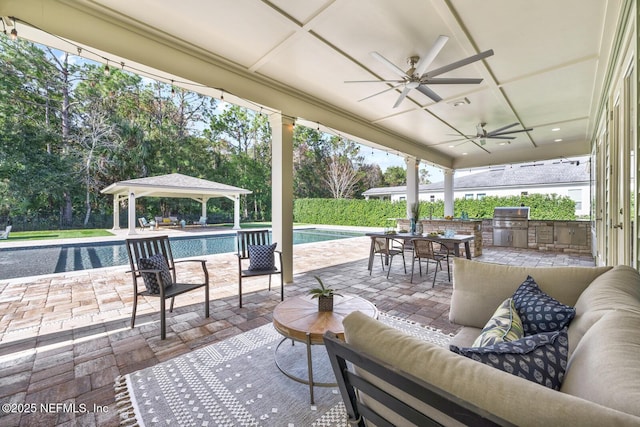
388 248
448 251
151 261
424 250
256 247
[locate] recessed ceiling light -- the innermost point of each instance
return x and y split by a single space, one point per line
464 154
555 129
557 140
460 102
451 146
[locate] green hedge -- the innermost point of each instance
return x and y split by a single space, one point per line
374 213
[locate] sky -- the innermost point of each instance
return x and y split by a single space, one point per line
385 159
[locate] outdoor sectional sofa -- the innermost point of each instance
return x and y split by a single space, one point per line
601 384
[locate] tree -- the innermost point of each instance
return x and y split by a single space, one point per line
311 151
371 177
424 176
244 138
341 177
394 176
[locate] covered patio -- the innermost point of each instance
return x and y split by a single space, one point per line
65 337
173 185
558 85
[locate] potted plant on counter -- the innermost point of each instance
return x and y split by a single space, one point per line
324 295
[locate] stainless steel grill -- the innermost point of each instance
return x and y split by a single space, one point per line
511 226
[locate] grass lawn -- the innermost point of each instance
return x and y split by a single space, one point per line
58 234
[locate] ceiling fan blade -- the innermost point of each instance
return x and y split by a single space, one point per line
460 63
509 132
390 65
427 59
379 93
374 81
499 137
503 128
431 94
402 96
452 81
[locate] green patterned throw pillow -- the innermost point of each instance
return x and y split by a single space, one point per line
504 326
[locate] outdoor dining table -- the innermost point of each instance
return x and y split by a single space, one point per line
456 240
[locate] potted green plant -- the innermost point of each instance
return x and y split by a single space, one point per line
324 295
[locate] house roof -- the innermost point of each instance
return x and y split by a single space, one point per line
173 185
520 176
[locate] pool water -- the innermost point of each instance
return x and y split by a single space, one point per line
35 261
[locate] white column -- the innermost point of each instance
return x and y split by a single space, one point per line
203 210
413 182
132 214
448 192
116 212
282 189
236 212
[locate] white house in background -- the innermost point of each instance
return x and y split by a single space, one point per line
562 178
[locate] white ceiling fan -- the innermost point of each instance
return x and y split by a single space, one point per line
416 77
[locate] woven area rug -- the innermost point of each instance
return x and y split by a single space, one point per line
235 382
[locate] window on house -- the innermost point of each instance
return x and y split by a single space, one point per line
576 196
468 196
481 196
432 198
524 193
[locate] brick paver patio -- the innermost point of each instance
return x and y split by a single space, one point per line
64 338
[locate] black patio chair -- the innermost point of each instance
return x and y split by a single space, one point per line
255 246
388 248
152 261
424 250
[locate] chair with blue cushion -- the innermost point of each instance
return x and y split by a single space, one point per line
145 224
152 261
255 247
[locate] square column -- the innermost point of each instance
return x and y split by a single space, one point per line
282 189
413 183
448 192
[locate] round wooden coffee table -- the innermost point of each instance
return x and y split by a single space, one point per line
298 319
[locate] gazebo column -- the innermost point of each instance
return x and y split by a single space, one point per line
282 189
116 212
236 212
132 213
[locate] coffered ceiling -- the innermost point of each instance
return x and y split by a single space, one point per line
549 64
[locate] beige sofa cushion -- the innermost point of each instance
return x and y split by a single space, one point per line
479 287
605 366
618 288
507 396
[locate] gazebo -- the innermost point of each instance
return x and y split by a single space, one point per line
173 185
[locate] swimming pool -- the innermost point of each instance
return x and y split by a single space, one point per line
35 261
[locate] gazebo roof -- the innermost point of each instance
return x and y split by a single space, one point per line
173 185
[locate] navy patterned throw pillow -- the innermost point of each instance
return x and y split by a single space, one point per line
261 257
155 262
538 311
541 358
